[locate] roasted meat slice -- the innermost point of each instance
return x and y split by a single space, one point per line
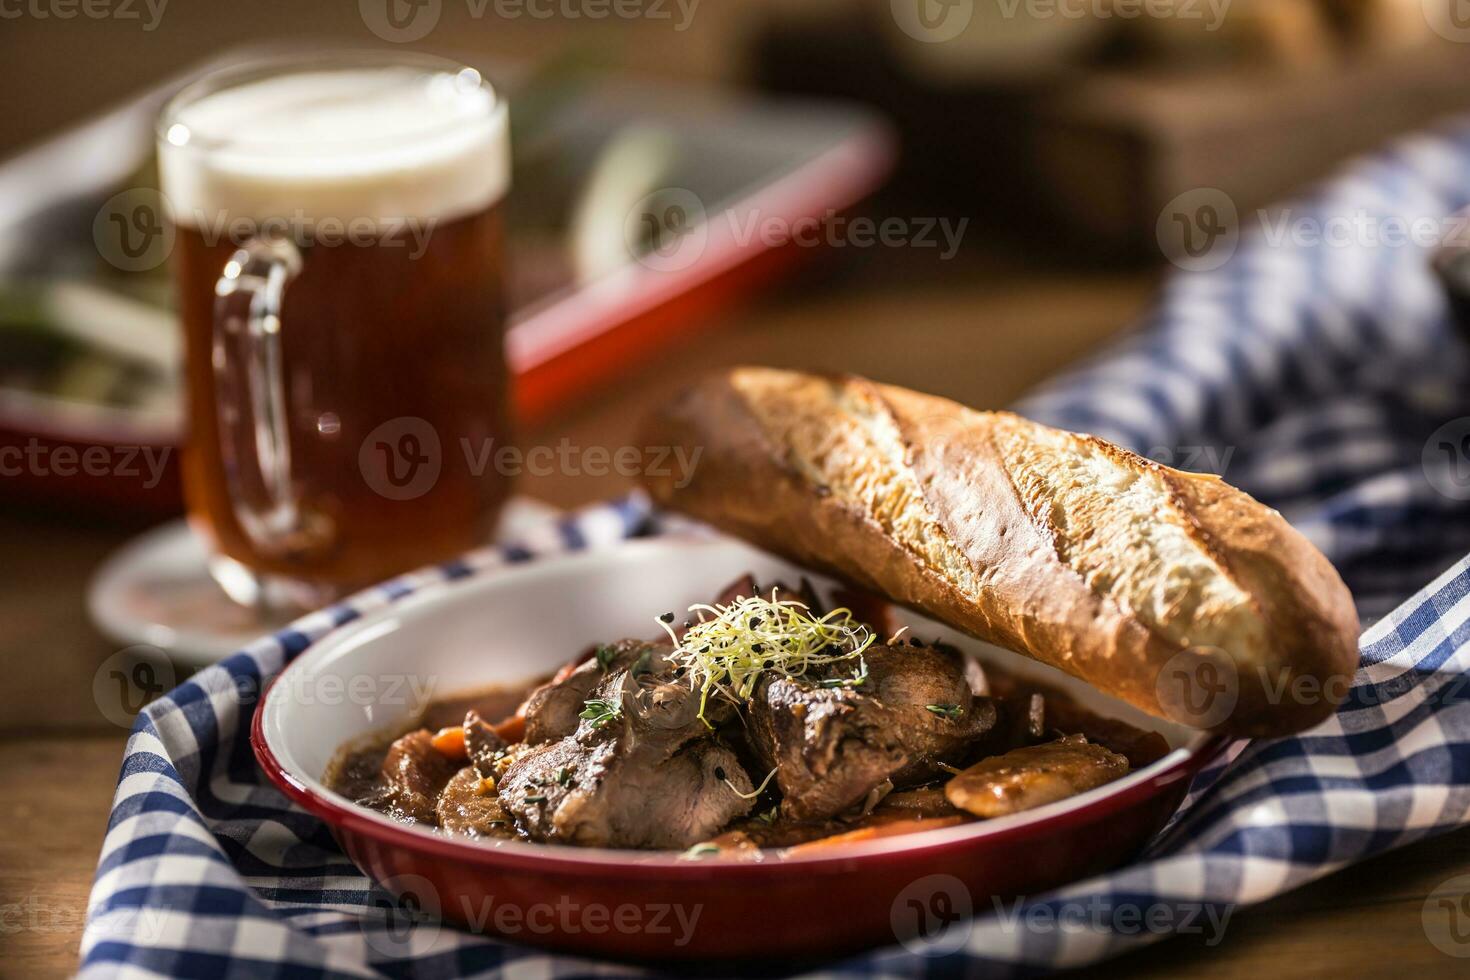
468 807
1034 776
482 744
639 770
606 792
552 709
833 746
414 773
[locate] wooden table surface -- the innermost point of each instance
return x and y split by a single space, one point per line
980 330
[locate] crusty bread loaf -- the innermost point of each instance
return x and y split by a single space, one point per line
1172 591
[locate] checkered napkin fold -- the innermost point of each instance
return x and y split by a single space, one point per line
1325 380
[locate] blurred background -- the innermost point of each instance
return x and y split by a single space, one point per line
1038 161
1039 165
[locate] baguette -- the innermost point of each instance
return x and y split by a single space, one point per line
1172 591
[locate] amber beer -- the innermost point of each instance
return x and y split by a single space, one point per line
338 256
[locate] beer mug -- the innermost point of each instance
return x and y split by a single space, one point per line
338 258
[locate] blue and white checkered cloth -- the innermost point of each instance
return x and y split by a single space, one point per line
1317 377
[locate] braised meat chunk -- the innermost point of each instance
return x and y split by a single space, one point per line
481 744
414 773
639 770
469 807
834 740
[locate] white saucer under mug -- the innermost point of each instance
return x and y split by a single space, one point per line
157 591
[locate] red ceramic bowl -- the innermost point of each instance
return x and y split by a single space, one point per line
518 623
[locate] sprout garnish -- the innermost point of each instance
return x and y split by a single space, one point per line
731 646
754 793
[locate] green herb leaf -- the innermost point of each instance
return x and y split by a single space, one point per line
600 711
604 656
642 665
858 678
949 711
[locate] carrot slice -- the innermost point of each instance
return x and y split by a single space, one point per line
449 742
568 668
513 729
891 829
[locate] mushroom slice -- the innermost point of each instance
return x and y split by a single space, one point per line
1025 778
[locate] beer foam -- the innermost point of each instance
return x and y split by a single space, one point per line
384 144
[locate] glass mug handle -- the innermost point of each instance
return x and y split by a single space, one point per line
247 355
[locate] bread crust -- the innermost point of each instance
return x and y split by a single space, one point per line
1174 592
